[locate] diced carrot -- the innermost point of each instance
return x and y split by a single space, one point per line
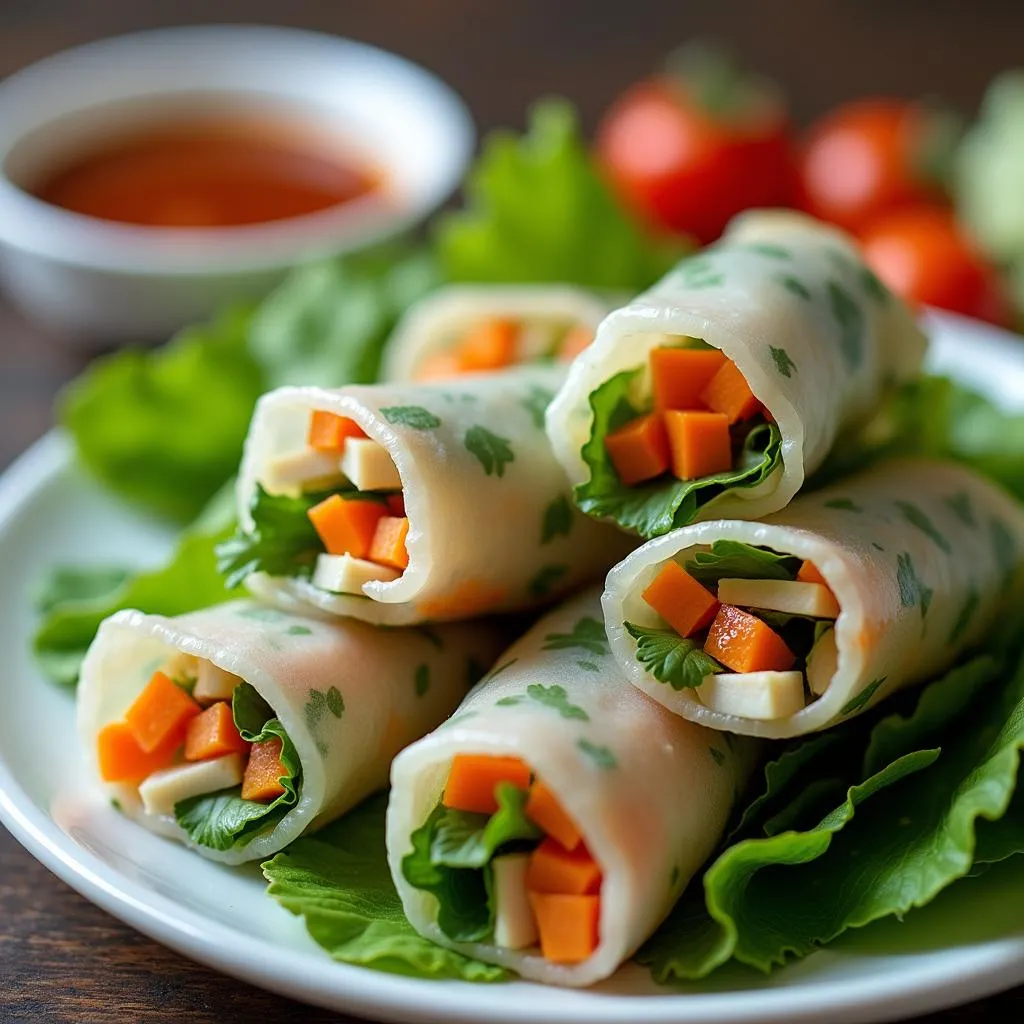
347 525
121 759
388 544
568 925
262 779
543 809
213 734
744 643
490 345
699 442
809 574
573 342
395 503
639 450
473 777
679 375
686 605
160 713
439 366
728 392
328 431
555 869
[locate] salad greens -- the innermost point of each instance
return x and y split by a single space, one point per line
652 509
731 559
224 820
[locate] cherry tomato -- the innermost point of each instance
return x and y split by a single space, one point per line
688 164
872 156
922 254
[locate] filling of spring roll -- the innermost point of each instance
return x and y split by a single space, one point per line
749 629
203 748
506 864
676 432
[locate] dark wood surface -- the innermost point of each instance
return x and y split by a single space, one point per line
63 960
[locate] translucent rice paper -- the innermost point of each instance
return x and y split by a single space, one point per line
650 792
349 695
818 338
442 319
920 555
492 526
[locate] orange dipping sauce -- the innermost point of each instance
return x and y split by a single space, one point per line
208 173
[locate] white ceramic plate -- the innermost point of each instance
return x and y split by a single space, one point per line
968 943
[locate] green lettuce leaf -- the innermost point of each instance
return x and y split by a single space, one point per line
188 580
64 583
338 882
466 840
224 820
730 559
652 509
671 658
538 210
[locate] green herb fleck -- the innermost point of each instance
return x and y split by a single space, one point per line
261 614
298 631
414 416
536 404
844 505
960 505
797 287
772 251
545 580
963 619
1004 548
501 668
557 519
873 286
917 518
116 804
589 666
717 755
912 589
320 703
422 680
698 272
555 697
494 452
600 755
862 698
783 363
588 635
850 320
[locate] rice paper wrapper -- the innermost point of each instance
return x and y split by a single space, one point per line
817 336
650 792
921 555
349 695
441 320
492 525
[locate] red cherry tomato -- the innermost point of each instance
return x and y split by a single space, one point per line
682 167
869 157
922 254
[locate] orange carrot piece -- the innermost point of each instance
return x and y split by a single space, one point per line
328 431
679 375
568 925
489 345
544 810
347 525
263 771
473 778
553 868
395 503
728 392
388 544
439 366
121 759
699 442
809 574
639 450
573 342
686 605
161 712
743 643
213 734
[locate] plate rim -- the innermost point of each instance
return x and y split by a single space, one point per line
313 977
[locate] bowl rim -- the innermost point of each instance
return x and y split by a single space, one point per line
34 227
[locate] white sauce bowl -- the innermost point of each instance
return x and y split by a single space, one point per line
92 279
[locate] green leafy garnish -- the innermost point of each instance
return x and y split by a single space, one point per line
731 559
557 519
545 580
782 361
671 658
588 635
493 451
850 320
918 518
602 756
554 696
414 416
466 840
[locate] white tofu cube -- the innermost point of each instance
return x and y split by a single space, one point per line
163 789
822 662
780 596
514 924
368 465
214 683
343 574
291 472
181 667
760 695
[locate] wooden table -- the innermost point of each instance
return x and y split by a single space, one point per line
61 959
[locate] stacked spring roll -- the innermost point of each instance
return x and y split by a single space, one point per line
238 728
479 328
717 392
550 825
801 621
402 503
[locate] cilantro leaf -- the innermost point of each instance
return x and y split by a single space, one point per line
414 416
493 451
671 658
558 518
588 634
731 559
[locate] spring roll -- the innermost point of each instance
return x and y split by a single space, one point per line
477 328
237 728
552 822
821 611
403 503
716 393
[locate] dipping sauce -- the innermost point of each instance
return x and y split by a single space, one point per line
208 173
